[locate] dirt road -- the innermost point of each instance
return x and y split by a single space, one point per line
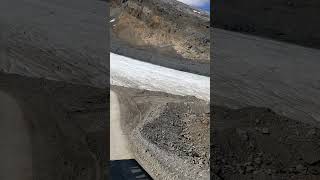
168 134
119 147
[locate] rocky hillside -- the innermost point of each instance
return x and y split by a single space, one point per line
169 27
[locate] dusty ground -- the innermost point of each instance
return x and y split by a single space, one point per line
119 145
169 135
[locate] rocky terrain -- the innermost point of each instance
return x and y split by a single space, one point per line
40 40
167 27
256 143
168 134
265 116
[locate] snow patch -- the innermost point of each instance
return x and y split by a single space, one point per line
128 72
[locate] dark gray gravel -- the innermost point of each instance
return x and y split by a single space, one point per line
260 144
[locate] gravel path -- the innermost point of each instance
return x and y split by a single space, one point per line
119 147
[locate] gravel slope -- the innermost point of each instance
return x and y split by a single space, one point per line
252 71
58 40
169 27
265 109
168 134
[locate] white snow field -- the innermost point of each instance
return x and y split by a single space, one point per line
128 72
